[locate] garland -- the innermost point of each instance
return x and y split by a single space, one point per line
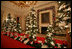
26 40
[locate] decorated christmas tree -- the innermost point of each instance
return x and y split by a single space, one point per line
64 16
31 27
4 26
31 22
18 27
10 25
14 29
7 25
49 43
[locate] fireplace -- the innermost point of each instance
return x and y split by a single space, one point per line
45 18
43 30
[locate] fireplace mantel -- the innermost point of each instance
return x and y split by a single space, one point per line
49 17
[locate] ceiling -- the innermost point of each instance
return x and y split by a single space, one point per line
17 9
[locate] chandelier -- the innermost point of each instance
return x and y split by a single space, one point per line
24 3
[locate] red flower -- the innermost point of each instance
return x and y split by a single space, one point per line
15 36
9 33
58 41
22 34
20 38
36 42
2 32
58 47
18 35
27 37
31 42
15 32
64 42
6 32
55 47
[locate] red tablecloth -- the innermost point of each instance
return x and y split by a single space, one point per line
7 42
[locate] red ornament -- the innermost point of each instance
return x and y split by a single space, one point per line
12 33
